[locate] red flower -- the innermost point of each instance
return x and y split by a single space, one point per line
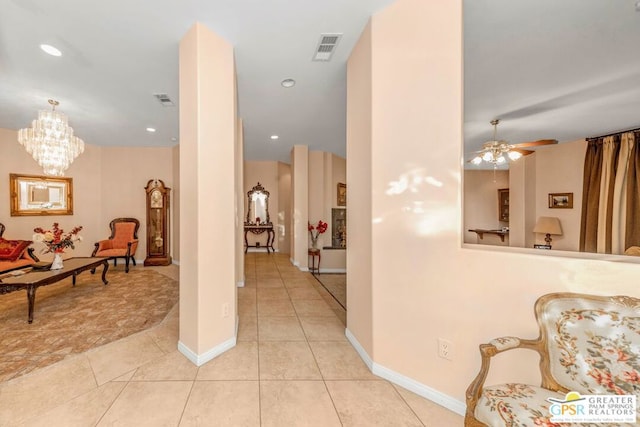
320 228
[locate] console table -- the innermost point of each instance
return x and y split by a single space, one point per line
259 229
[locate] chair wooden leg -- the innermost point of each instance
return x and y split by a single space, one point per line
126 264
133 259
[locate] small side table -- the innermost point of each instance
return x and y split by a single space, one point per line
313 253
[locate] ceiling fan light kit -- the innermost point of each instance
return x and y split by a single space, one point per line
494 151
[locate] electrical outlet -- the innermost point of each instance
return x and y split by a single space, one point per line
445 349
225 309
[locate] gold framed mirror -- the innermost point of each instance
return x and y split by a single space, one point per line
40 195
258 206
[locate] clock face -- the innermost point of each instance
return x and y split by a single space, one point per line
156 199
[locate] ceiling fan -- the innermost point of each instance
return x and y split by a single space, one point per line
496 151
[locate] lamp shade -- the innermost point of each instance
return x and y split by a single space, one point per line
548 225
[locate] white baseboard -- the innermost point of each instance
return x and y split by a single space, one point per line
359 348
403 381
297 264
261 249
201 359
240 283
176 262
333 270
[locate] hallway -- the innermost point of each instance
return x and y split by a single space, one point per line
292 366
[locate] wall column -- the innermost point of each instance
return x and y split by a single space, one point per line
359 215
300 208
208 204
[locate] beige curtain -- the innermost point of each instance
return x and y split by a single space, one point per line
619 213
605 204
611 195
632 230
591 196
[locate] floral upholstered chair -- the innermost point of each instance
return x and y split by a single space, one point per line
587 344
122 243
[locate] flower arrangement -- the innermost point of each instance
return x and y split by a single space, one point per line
56 239
319 228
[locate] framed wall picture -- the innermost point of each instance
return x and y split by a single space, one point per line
342 194
560 200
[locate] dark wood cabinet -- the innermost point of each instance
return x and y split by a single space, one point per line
503 204
157 223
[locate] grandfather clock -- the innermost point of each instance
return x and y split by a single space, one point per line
157 223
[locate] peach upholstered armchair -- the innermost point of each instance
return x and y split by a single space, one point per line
122 243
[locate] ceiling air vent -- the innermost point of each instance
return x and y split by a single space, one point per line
326 46
164 99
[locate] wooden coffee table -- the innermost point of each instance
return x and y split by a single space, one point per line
33 279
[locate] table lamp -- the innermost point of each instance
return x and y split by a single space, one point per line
548 225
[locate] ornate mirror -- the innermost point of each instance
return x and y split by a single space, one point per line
40 195
258 206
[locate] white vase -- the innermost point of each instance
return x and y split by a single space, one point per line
57 262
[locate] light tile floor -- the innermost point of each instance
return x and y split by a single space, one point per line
292 366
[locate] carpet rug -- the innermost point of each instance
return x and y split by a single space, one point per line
69 320
336 285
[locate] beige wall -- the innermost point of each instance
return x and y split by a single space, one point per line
560 169
108 182
209 220
283 234
481 204
240 197
175 208
424 285
517 200
552 169
299 205
359 173
123 194
317 209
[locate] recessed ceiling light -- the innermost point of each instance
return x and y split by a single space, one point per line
288 83
151 130
51 50
274 137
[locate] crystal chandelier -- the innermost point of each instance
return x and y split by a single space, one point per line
51 142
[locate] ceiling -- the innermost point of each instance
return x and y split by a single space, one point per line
116 54
550 69
547 68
